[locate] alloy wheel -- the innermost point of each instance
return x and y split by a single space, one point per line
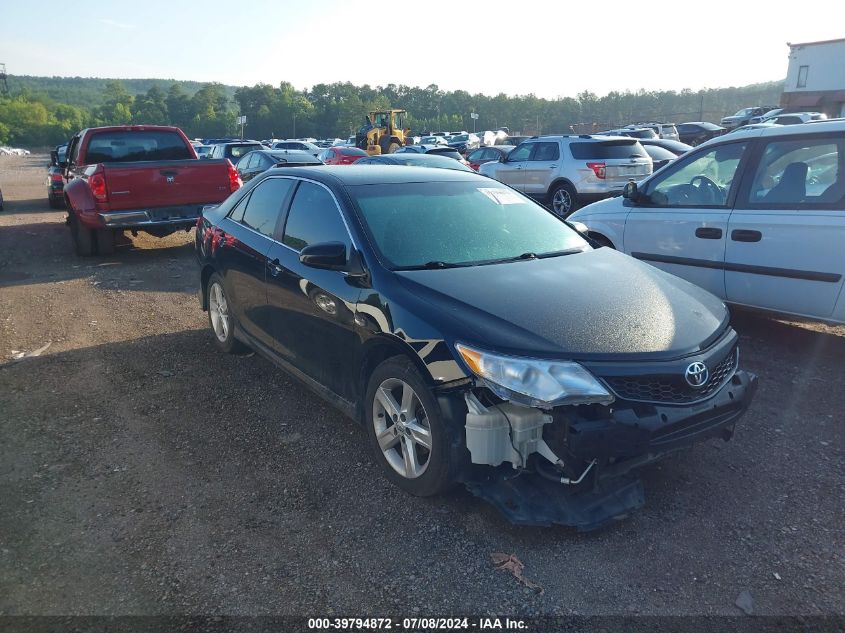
561 202
402 428
218 310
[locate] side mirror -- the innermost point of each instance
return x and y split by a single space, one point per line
579 226
326 255
630 192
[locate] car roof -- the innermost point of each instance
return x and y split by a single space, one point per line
817 127
291 154
375 174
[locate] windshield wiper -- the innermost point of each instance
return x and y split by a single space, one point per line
568 251
530 255
439 264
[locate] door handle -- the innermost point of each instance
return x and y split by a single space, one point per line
708 233
552 166
275 267
745 235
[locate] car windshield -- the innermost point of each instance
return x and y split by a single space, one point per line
460 138
745 112
441 224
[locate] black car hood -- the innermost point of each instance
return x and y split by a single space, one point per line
591 305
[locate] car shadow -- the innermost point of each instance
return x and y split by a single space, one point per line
44 253
30 206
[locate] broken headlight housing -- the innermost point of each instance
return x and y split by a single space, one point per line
534 382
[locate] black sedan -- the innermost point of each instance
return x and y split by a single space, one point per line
696 132
414 160
257 161
439 150
477 337
663 151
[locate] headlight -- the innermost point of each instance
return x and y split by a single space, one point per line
533 382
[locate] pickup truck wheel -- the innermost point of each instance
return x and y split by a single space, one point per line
220 317
406 430
105 241
83 238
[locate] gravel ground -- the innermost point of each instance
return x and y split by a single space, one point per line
142 472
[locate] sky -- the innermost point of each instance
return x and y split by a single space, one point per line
549 48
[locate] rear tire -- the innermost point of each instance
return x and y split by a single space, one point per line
563 200
220 317
83 237
397 393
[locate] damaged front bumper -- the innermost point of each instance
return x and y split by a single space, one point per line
603 444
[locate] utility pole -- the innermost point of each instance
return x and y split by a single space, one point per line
4 89
294 124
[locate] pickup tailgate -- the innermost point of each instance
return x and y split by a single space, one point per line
152 184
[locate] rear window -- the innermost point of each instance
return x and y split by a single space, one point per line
236 151
658 153
352 151
451 153
131 146
608 150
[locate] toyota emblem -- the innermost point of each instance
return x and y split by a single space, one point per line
696 375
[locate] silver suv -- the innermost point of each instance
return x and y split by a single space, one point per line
566 172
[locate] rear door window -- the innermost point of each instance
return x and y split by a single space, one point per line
265 204
800 172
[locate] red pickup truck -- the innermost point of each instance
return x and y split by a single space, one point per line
138 178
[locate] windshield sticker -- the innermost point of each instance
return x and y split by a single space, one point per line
501 196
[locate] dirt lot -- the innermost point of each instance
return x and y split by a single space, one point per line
142 472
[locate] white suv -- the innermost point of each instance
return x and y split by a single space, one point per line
756 217
567 171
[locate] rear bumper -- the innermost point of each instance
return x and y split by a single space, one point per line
173 217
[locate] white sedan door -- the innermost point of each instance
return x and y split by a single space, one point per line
786 236
680 221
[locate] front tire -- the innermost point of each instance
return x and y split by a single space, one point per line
407 433
564 200
220 317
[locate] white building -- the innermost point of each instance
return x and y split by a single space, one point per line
815 79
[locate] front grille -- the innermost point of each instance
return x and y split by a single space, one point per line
672 389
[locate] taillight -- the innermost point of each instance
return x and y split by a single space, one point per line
56 177
97 183
598 169
235 181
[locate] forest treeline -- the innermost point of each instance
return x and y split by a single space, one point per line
41 111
